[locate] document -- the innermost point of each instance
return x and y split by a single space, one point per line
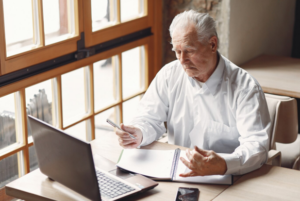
164 165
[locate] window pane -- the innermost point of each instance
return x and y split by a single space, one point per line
33 162
129 109
103 14
101 126
9 169
59 20
131 9
18 26
39 101
105 83
8 134
133 67
79 131
73 96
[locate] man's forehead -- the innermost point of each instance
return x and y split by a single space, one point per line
185 35
185 42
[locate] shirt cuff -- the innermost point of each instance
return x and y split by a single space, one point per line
143 143
232 162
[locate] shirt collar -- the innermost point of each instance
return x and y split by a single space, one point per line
216 77
212 83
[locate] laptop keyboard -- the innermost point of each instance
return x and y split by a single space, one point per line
110 187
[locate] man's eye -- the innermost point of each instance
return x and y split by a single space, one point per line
189 51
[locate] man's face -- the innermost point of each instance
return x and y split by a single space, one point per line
195 57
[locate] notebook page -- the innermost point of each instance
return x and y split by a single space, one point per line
212 179
152 163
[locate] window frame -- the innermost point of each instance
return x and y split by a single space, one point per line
20 86
118 30
39 54
153 50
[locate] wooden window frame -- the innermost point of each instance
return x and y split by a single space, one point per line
39 54
20 87
118 30
153 50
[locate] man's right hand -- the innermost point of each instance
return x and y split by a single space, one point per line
125 140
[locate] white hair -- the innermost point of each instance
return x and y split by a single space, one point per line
204 24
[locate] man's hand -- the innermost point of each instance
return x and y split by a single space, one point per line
125 140
203 163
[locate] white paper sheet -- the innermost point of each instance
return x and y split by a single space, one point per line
153 163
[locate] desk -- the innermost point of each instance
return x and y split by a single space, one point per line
36 186
276 74
268 183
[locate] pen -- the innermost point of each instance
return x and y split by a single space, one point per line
116 126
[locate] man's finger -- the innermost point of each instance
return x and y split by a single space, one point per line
126 142
194 156
120 132
185 162
188 174
201 151
127 145
131 146
126 137
129 129
189 155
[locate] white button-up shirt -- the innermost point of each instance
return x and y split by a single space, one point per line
228 114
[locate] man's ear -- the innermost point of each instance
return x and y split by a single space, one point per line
213 42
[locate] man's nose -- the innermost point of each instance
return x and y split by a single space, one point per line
183 58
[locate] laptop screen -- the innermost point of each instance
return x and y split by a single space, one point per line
65 159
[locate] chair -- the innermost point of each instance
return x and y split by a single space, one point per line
284 136
290 154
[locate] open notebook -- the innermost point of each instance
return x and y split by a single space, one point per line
164 165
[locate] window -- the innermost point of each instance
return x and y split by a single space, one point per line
8 134
106 74
18 34
115 18
76 96
74 105
31 26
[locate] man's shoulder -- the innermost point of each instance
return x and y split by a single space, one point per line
174 67
239 77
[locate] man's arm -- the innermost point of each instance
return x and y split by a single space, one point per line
151 113
253 124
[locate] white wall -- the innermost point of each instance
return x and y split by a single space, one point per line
260 27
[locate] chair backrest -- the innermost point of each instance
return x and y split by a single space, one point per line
284 119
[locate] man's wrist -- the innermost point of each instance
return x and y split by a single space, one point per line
232 163
224 166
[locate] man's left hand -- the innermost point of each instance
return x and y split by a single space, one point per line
202 162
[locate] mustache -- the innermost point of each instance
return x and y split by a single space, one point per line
188 66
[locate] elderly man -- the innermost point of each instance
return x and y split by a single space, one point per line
207 102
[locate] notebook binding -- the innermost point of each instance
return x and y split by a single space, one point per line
175 163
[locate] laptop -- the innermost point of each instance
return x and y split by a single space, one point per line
69 161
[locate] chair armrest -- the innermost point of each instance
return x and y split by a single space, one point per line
274 157
296 165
